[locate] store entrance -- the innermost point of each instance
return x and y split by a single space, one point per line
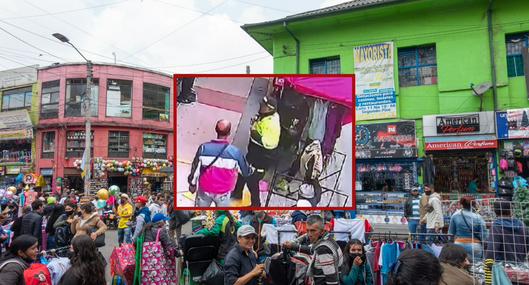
462 171
120 181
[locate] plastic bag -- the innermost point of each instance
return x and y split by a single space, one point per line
214 275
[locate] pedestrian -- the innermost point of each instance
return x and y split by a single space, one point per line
215 169
416 267
89 223
32 221
22 252
356 271
158 224
87 265
187 94
260 218
58 211
241 265
434 213
412 211
225 228
469 229
125 212
143 216
264 140
155 206
298 216
62 226
455 264
509 237
17 223
423 204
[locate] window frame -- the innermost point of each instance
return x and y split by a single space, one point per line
78 154
417 66
11 92
109 80
326 61
95 83
48 154
167 98
118 154
154 154
54 115
516 56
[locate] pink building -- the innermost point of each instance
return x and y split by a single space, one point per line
132 121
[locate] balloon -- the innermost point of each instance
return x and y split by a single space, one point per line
102 194
9 195
101 203
12 189
114 190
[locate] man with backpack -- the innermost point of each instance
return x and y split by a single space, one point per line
225 228
215 169
62 226
32 221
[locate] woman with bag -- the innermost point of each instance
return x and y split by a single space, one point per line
88 267
21 254
469 229
89 224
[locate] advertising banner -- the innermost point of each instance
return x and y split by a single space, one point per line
386 140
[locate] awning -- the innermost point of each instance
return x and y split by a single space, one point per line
460 142
15 125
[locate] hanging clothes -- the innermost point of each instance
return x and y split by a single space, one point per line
389 256
333 129
314 169
429 171
293 109
318 120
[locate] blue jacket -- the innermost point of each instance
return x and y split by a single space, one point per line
221 177
474 227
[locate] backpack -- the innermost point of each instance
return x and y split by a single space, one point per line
37 274
63 235
227 239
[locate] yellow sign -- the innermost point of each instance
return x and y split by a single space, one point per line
16 134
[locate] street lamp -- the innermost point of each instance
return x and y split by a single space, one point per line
86 107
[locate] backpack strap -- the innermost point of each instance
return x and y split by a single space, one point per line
12 261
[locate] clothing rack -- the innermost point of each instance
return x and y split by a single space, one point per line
407 236
53 251
292 231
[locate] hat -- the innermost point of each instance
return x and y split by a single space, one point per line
141 200
51 200
159 217
246 230
125 196
271 102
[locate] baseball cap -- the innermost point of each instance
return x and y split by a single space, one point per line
246 230
159 217
125 196
141 200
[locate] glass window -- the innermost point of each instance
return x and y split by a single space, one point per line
75 144
417 66
330 65
118 144
515 45
49 105
75 92
48 144
154 146
156 102
119 98
16 98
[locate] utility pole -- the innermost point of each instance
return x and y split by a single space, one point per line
87 113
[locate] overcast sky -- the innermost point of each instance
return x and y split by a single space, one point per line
173 36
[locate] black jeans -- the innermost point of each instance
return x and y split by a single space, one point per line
253 186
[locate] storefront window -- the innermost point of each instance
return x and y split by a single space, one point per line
50 100
75 92
515 46
330 65
16 98
118 144
154 146
119 98
156 102
75 144
48 144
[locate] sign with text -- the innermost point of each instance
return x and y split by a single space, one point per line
375 83
386 140
459 124
456 145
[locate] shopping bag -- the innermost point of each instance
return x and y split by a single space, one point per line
156 267
123 262
213 274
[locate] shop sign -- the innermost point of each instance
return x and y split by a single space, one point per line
30 178
513 124
457 145
12 170
386 140
459 124
46 172
375 82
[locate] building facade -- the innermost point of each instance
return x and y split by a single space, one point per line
18 118
447 102
132 126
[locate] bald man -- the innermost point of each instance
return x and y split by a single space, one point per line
215 169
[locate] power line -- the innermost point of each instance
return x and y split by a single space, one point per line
66 11
30 44
176 29
233 65
266 7
210 62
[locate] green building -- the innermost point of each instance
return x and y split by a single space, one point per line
445 80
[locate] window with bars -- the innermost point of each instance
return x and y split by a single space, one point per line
49 102
75 143
329 65
417 66
118 144
156 102
515 45
48 144
119 98
75 92
154 146
15 99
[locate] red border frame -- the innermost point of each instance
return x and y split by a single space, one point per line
175 160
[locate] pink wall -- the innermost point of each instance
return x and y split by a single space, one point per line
101 125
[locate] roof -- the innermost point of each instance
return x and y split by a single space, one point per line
340 8
107 64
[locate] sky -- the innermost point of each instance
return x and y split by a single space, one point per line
172 36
